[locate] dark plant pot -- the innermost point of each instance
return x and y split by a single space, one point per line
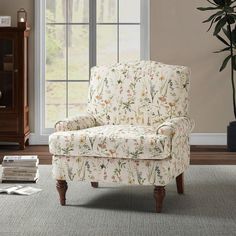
231 136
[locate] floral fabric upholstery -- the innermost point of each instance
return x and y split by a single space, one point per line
125 171
145 92
136 130
112 141
178 125
81 121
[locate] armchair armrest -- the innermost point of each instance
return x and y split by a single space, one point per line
180 125
81 121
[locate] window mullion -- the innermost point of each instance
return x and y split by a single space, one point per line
92 34
67 58
118 30
144 29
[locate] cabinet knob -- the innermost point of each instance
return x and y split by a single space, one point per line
16 70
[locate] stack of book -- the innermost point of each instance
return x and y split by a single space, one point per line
20 169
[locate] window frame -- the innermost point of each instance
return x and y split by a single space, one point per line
40 135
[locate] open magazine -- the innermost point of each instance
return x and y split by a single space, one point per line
22 190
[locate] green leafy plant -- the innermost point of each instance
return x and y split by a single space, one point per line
224 22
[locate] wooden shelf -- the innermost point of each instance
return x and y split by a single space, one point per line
5 72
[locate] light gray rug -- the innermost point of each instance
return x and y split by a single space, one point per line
207 208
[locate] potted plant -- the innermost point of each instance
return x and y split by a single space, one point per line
224 21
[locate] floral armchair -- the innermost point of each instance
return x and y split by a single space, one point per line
136 129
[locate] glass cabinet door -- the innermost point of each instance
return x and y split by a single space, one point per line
6 73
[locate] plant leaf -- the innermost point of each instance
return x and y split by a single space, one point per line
207 8
232 15
223 50
211 25
213 16
225 62
209 19
228 9
222 40
221 3
217 18
231 19
212 3
234 62
220 24
234 36
227 34
213 21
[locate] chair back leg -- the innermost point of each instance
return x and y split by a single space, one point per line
94 184
180 183
159 195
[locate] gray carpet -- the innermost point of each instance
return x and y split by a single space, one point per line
207 208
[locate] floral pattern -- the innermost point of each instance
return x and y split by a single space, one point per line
112 141
136 130
145 92
125 171
81 121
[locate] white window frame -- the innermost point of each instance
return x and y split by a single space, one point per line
41 134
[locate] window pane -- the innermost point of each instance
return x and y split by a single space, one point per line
77 97
55 11
78 52
55 102
107 11
106 44
55 52
78 11
129 42
129 11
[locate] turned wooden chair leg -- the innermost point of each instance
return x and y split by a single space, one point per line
180 183
159 195
61 186
94 184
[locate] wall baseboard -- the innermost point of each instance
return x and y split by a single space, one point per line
195 139
208 139
38 139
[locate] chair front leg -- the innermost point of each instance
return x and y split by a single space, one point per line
94 184
159 195
62 186
180 183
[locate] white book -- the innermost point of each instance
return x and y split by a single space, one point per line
13 171
27 175
21 178
22 190
20 164
25 158
20 169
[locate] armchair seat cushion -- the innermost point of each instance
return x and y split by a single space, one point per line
112 141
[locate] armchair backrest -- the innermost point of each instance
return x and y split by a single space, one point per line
143 92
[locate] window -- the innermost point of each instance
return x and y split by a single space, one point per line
67 58
77 35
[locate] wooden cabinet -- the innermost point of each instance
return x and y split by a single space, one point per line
14 107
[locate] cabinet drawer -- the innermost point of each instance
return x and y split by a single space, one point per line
8 123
